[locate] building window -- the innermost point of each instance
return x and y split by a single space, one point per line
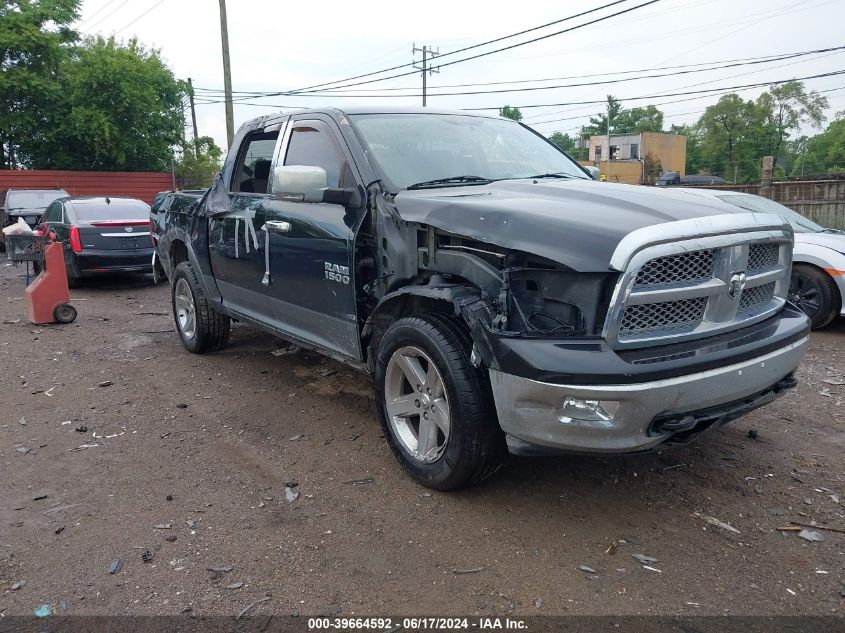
635 150
598 152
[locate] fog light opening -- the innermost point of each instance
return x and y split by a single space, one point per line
578 409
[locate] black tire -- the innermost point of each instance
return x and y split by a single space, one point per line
211 329
64 313
812 290
475 447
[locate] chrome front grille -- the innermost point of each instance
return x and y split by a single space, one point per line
762 256
669 316
693 266
691 287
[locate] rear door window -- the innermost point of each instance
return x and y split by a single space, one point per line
252 169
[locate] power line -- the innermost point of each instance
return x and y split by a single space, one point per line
461 50
728 63
138 18
97 12
108 15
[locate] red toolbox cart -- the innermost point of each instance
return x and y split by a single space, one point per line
47 297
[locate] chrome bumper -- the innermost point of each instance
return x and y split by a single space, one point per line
531 412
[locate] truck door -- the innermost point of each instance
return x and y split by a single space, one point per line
307 276
235 241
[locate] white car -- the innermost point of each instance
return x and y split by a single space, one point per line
818 269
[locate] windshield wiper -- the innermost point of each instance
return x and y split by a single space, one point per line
473 180
557 175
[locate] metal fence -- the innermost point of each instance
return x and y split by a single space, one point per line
822 201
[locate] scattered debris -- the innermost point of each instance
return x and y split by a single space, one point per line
538 602
325 373
108 437
147 556
645 560
816 527
106 383
43 611
808 501
835 383
473 570
826 393
290 494
250 607
162 526
811 535
220 569
284 351
296 438
40 497
11 321
360 482
650 568
169 498
115 566
81 429
752 433
23 450
181 405
587 569
18 585
170 538
716 522
22 421
82 447
59 530
790 591
234 585
611 549
49 392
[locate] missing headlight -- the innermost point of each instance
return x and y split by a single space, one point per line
558 303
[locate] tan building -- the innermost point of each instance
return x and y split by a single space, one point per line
638 158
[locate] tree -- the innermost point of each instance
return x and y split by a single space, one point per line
598 123
565 142
511 113
119 110
35 37
784 108
636 120
823 153
727 143
198 163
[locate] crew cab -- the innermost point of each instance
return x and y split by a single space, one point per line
501 298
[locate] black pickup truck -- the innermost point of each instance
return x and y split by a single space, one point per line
502 299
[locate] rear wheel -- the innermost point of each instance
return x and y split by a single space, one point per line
812 290
435 407
201 328
64 313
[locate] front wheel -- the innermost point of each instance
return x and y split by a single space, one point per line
812 290
201 328
436 409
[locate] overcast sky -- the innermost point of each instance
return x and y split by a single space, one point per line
284 46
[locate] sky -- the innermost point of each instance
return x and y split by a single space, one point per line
277 46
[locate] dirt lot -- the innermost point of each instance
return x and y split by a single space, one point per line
188 458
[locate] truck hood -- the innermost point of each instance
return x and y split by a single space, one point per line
577 223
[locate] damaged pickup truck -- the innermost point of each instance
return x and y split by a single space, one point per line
501 298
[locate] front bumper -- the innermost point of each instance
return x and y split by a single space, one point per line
647 414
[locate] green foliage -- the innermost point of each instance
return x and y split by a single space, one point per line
511 113
783 109
35 38
622 121
196 169
565 142
119 110
598 123
823 153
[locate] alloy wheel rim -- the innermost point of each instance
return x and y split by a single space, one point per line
186 315
417 405
805 293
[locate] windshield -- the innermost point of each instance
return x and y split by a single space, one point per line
418 148
117 210
33 199
764 205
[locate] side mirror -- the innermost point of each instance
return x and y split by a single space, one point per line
299 183
595 172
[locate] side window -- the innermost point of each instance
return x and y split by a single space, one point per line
53 213
313 144
252 171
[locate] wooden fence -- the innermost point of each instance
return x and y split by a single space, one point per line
141 185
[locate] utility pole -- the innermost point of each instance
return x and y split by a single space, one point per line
227 74
424 67
193 116
609 150
581 144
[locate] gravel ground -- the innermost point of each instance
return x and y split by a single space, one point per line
188 458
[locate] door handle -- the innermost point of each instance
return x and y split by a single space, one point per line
278 227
